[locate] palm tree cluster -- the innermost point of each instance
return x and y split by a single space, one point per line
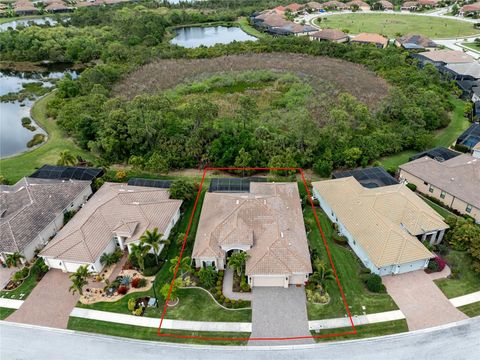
14 259
150 240
66 159
79 279
321 274
237 262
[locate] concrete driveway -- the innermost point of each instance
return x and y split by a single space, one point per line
422 302
49 304
279 313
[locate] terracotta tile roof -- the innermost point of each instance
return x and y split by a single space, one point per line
334 4
314 5
448 56
459 176
420 40
409 4
294 7
30 205
386 4
471 7
269 218
115 209
330 34
384 221
371 38
358 3
56 6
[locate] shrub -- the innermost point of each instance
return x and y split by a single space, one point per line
412 187
135 282
222 298
436 264
365 270
207 276
131 304
152 270
339 239
374 283
125 280
219 282
227 300
138 311
219 293
122 290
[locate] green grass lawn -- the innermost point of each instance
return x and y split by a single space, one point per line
348 268
471 310
468 281
194 304
16 167
444 137
391 24
365 331
439 209
144 333
5 312
472 45
27 286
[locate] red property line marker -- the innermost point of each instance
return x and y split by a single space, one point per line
207 338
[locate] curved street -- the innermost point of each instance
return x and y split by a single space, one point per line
453 341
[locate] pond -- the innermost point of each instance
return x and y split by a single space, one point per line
194 36
26 22
13 135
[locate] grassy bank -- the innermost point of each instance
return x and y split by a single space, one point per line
442 211
471 310
366 331
444 137
392 24
5 312
24 164
468 281
144 333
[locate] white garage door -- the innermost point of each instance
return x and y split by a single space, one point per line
54 264
72 267
268 281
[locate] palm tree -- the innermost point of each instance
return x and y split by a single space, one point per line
184 265
140 251
322 273
153 239
66 158
237 261
79 279
13 259
108 259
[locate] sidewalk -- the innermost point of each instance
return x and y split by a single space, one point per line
357 320
10 303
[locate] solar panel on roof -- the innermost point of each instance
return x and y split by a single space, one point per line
67 172
368 177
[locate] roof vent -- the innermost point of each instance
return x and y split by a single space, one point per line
452 179
237 202
281 234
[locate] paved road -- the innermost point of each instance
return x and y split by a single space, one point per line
279 313
22 342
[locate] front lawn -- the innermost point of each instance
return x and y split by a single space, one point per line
348 269
366 331
27 286
471 310
392 24
468 281
144 333
5 312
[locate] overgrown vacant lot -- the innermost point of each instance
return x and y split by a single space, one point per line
321 72
391 25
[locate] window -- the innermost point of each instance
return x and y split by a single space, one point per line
430 189
442 195
469 209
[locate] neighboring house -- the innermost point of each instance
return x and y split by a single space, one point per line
24 8
313 5
334 35
294 8
428 3
439 154
368 38
274 23
470 137
115 217
455 182
415 42
267 223
464 71
32 210
385 5
470 9
357 4
334 5
410 6
468 87
384 226
443 57
371 177
57 7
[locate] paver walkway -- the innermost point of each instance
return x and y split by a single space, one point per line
227 288
49 304
279 313
422 302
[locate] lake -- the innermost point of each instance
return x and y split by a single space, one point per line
192 37
26 22
13 135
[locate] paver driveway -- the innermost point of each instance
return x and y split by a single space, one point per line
422 302
49 304
279 312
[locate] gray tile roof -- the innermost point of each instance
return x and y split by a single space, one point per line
27 207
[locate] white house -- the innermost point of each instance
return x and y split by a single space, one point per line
384 226
32 211
267 223
116 216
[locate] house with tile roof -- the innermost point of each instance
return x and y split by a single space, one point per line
358 4
369 38
415 42
454 182
32 211
384 226
334 35
266 223
115 217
